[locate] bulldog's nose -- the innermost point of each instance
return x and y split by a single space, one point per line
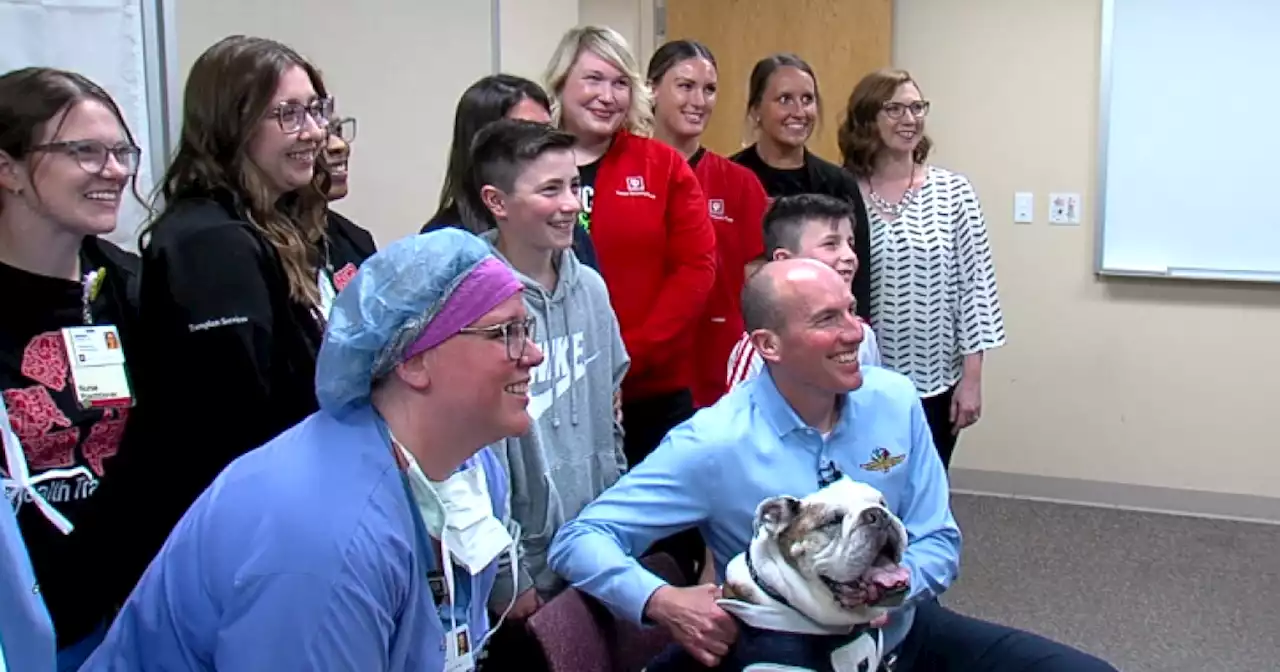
872 517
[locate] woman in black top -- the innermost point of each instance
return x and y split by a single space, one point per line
332 179
234 272
66 159
783 106
492 98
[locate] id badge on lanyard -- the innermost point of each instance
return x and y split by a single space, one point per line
96 357
457 644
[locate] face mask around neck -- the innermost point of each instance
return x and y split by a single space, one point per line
459 513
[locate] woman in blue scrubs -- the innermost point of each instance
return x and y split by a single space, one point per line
368 536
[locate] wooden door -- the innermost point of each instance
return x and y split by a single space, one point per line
842 40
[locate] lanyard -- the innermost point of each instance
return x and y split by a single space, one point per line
420 536
20 484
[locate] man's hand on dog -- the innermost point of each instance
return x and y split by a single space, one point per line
694 619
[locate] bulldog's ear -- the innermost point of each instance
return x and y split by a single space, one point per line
776 513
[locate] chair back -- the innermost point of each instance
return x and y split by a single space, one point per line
578 634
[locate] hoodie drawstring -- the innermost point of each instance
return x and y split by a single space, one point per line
573 372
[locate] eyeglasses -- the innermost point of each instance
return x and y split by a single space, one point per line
919 108
516 334
292 116
92 154
343 128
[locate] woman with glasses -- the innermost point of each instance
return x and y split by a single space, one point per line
369 536
783 107
935 308
238 274
66 160
353 242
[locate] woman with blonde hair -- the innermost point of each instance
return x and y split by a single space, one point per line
935 308
648 220
238 274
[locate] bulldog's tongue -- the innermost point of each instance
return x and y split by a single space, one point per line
893 577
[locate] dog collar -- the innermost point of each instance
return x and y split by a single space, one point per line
768 590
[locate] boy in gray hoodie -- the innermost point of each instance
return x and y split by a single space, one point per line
524 174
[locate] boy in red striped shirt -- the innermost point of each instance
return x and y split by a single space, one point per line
806 226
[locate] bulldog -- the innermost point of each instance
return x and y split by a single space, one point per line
817 572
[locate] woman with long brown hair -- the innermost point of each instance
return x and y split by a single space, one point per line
684 78
935 306
235 271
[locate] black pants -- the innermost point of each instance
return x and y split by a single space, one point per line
937 410
512 647
646 422
942 640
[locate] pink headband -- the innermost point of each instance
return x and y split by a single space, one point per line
487 285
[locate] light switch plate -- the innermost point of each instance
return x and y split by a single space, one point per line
1064 208
1024 207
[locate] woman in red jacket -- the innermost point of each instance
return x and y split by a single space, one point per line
654 240
683 77
648 220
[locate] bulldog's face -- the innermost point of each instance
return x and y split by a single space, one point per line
842 540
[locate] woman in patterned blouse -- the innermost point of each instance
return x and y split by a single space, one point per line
935 307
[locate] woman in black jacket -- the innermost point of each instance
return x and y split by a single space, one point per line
331 177
234 274
783 107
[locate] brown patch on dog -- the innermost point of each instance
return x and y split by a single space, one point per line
802 525
733 590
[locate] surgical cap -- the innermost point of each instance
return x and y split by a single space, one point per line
405 299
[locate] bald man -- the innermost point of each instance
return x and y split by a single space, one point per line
813 415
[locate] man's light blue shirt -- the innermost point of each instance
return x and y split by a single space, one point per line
713 470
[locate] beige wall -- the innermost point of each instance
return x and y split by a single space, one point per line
530 32
1157 383
632 18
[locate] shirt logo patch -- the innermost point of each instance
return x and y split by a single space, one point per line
635 187
882 461
716 205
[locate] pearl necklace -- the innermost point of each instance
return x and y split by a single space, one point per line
894 209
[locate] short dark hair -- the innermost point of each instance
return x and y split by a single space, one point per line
785 219
502 149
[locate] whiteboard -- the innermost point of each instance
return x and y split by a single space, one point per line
119 44
1189 95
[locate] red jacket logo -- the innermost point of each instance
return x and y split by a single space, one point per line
716 206
635 187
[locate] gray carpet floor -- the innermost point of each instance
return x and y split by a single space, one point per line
1145 591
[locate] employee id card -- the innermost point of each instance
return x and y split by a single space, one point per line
458 654
97 366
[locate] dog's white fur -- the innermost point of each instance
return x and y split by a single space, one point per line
801 585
